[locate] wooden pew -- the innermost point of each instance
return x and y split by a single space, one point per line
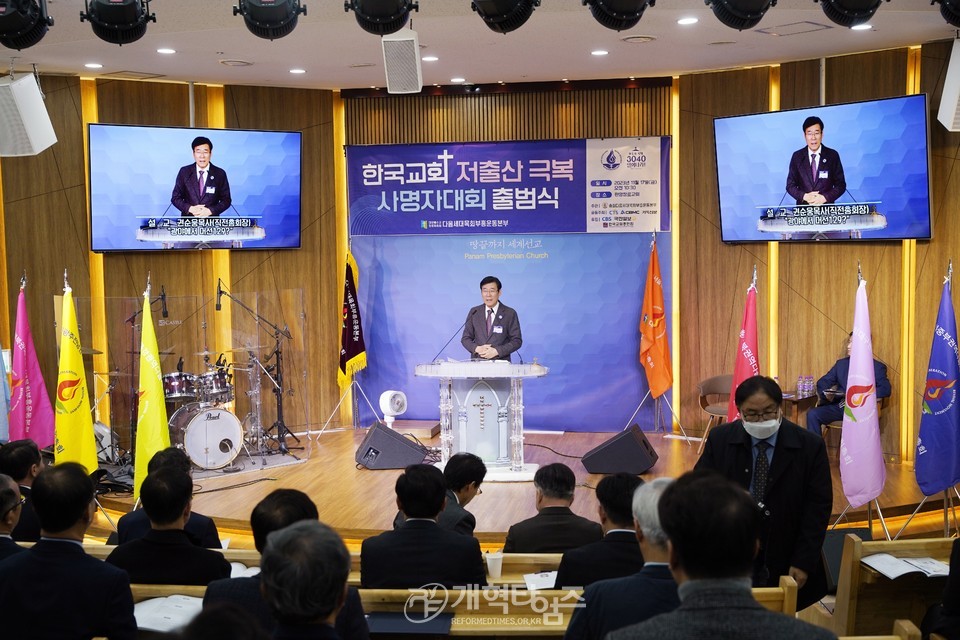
146 591
868 602
515 565
902 630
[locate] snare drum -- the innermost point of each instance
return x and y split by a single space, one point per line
215 387
211 436
180 386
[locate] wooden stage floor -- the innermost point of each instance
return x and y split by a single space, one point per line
358 501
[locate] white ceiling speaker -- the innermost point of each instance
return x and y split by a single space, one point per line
401 61
393 404
949 113
24 120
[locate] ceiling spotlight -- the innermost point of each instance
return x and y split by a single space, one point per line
849 13
23 23
118 21
740 14
950 10
618 15
381 17
270 19
504 16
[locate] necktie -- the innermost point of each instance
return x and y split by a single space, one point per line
489 321
761 471
813 166
203 176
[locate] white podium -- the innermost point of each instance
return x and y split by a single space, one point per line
481 411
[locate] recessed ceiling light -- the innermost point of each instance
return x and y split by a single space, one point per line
861 27
686 21
429 58
500 82
565 80
458 80
599 52
93 65
298 71
167 52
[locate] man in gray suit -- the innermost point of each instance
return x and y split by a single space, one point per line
713 529
492 329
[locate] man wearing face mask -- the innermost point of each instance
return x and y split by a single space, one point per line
785 468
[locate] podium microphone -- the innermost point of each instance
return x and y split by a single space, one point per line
469 315
163 302
219 294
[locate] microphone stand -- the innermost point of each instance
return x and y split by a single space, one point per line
276 379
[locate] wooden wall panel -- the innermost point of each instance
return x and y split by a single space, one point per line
799 84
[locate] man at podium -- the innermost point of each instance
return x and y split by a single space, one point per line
492 329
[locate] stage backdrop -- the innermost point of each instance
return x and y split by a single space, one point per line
565 225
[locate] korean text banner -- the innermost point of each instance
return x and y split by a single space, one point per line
613 185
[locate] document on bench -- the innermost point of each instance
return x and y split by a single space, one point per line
894 567
240 570
542 580
168 613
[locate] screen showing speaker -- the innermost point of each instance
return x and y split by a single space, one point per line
856 171
169 188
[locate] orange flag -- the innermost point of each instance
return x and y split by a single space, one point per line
654 347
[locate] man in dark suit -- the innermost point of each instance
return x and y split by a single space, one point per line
613 604
816 173
463 473
712 527
55 590
280 509
555 528
202 189
201 529
491 330
304 573
166 555
617 554
11 504
20 459
832 391
420 552
791 483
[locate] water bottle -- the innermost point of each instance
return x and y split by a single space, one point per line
809 385
801 386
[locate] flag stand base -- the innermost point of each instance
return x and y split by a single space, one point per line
948 508
658 418
870 506
353 382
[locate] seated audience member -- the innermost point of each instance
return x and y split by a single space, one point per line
463 473
609 605
166 555
20 459
201 529
832 389
713 529
224 621
280 509
11 504
420 552
617 554
944 617
555 528
304 572
55 590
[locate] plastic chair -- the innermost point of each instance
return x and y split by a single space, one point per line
714 397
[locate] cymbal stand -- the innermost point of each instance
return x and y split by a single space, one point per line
256 406
113 455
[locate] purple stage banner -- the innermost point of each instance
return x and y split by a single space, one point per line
610 185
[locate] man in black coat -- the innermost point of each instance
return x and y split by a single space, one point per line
798 497
815 175
492 329
463 473
555 528
20 459
420 552
11 504
201 189
617 554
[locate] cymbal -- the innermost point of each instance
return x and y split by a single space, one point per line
205 353
244 349
114 374
90 351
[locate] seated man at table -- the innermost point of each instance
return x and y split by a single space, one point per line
166 555
420 552
555 528
463 473
831 391
617 554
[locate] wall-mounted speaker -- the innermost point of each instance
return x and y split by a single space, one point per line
384 448
401 61
629 452
949 112
24 121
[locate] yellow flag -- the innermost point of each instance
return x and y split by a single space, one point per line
75 441
152 432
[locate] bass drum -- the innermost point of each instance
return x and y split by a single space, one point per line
211 436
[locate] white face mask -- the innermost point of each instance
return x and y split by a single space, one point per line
762 430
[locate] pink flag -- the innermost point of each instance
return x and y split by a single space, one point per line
747 358
31 415
861 457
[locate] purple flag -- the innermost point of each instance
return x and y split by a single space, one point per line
862 471
31 415
938 447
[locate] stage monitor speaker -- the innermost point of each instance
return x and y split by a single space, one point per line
24 121
401 61
628 451
949 112
384 448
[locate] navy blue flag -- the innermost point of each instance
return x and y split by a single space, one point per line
938 447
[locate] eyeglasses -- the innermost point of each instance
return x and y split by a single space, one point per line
19 503
750 416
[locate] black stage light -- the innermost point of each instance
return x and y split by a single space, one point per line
849 13
950 10
270 19
381 17
118 21
740 14
618 15
504 16
23 23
